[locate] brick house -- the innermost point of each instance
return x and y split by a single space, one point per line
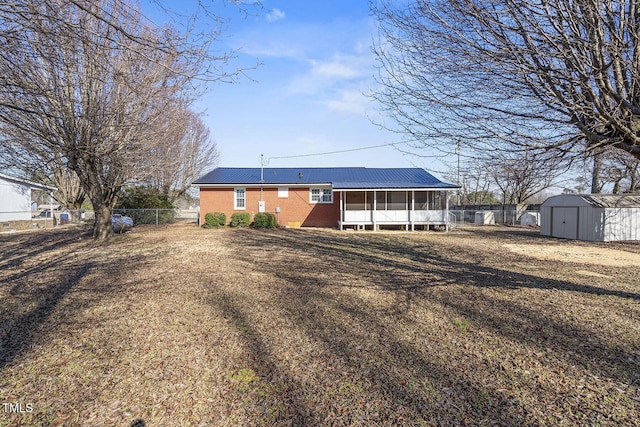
329 197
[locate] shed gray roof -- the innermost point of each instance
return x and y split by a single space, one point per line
614 200
338 178
597 200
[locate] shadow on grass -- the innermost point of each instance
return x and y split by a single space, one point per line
37 272
277 400
310 263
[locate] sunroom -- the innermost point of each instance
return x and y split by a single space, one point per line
408 209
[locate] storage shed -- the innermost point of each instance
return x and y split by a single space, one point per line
592 217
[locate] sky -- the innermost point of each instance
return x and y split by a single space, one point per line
308 96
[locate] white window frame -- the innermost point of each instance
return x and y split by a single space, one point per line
322 195
283 192
236 199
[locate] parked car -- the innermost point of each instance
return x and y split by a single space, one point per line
121 223
46 214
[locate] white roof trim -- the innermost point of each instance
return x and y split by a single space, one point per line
253 185
29 183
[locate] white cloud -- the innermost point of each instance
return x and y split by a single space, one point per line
350 101
336 73
275 15
336 68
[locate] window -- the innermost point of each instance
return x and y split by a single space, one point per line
240 199
283 192
321 195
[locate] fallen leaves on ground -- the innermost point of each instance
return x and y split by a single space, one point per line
176 325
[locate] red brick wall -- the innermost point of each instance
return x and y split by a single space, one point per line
295 208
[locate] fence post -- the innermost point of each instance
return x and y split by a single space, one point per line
157 216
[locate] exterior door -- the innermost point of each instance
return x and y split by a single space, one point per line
564 222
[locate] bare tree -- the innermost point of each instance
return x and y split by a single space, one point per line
515 177
542 75
89 87
79 90
185 151
475 182
70 192
520 177
619 172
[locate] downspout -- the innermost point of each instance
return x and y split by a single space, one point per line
341 211
261 177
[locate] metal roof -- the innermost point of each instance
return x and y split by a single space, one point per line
597 200
338 178
614 200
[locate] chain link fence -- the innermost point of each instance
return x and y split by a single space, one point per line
491 214
42 219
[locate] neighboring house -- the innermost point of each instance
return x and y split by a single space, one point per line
15 197
592 217
329 197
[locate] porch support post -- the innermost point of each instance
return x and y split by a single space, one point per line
413 212
373 211
446 212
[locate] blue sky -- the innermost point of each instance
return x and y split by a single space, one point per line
308 96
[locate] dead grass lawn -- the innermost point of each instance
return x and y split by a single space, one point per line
178 326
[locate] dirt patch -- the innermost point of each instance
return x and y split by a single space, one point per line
578 254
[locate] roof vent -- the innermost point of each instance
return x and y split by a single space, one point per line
300 175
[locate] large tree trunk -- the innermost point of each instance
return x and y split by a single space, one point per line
102 229
595 175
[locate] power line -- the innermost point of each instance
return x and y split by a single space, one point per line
339 151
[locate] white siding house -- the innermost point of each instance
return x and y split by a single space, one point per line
592 217
15 198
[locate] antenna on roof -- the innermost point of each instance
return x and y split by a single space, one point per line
263 162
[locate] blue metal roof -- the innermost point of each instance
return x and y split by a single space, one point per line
339 178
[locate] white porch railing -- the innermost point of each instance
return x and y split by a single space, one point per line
453 220
395 217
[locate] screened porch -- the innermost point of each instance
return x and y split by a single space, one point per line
408 209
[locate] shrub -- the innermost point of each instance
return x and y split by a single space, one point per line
214 220
240 219
264 220
145 205
140 197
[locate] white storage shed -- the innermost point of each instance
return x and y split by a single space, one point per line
592 217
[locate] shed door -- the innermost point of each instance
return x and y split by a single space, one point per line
564 223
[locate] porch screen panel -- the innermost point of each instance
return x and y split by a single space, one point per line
355 200
437 200
421 200
397 201
381 201
368 201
